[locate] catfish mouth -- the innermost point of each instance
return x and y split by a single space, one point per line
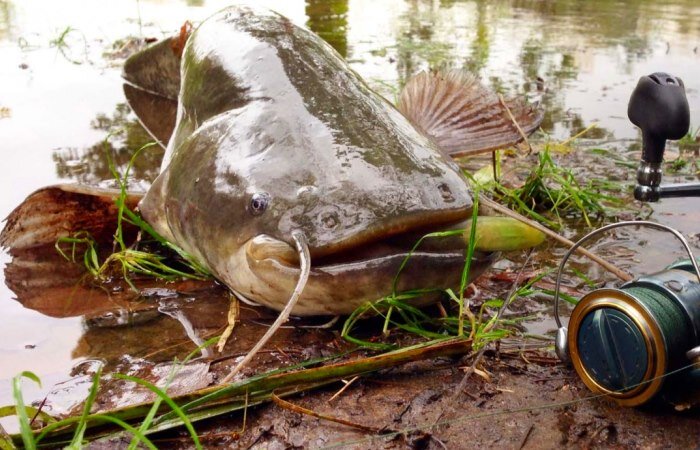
371 247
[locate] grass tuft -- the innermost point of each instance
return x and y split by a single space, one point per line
398 312
128 260
551 194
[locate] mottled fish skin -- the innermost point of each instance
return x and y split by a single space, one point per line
276 133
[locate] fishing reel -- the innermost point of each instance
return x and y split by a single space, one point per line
629 342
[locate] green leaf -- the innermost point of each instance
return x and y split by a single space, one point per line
21 410
164 397
77 441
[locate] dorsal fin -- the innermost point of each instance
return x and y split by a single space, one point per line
461 115
152 86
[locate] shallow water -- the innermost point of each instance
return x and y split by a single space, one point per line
60 99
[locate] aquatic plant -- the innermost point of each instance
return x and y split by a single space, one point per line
63 46
129 259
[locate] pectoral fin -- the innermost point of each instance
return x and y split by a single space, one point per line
152 85
60 211
156 69
157 114
461 115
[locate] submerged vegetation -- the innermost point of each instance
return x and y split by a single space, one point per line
65 42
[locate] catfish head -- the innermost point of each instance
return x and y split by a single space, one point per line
272 135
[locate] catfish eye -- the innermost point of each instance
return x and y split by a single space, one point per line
259 202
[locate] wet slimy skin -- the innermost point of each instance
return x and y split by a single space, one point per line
275 133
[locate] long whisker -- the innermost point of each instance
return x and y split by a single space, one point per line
305 266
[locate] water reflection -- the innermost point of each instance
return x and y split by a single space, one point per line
7 12
480 45
329 19
554 45
124 135
115 317
416 42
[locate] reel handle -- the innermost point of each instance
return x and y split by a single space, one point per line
659 107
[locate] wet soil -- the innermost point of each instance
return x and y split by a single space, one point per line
517 408
521 396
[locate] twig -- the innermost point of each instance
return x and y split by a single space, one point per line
606 265
527 436
38 410
579 134
515 122
296 408
234 312
342 389
494 164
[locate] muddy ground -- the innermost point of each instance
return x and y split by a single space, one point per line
520 397
417 395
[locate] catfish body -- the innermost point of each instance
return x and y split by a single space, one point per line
276 133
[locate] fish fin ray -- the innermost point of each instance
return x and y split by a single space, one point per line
461 115
62 210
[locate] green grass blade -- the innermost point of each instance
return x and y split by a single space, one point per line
140 436
21 410
77 441
468 262
169 401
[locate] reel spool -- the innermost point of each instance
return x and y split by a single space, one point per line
623 341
